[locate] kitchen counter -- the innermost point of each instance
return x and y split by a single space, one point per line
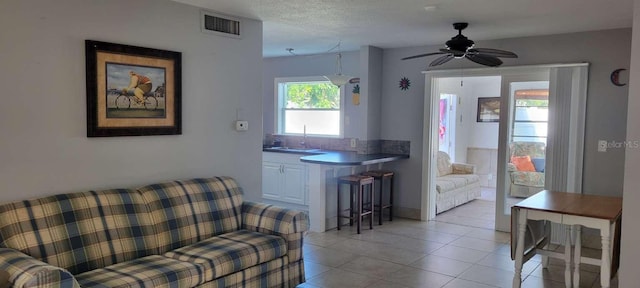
343 158
351 158
324 168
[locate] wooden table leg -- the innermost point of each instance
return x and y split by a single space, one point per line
522 227
605 267
547 235
567 258
577 254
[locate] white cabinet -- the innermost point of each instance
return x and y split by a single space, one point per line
284 178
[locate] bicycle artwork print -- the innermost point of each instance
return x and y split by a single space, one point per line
132 91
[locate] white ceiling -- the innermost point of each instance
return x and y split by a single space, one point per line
315 26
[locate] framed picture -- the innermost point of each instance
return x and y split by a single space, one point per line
489 109
132 91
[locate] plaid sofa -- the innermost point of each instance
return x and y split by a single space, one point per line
190 233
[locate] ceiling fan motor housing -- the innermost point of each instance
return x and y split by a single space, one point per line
459 45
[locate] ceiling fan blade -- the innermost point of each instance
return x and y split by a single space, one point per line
493 52
441 60
422 55
484 59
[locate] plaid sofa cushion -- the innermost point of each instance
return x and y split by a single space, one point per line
269 274
189 211
79 231
151 271
231 252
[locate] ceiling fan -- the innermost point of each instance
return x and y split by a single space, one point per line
460 46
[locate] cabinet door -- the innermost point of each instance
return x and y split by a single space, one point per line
271 178
293 183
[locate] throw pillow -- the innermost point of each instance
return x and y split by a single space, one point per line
523 163
538 163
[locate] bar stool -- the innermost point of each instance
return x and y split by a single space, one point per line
382 176
357 185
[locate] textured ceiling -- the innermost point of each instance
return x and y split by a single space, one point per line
313 26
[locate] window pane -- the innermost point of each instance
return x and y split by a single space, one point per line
321 122
529 139
529 129
532 114
310 95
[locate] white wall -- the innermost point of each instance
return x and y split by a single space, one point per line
606 106
482 134
470 133
371 88
628 273
44 148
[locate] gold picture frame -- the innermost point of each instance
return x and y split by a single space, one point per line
132 91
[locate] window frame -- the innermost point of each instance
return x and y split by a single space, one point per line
514 122
279 108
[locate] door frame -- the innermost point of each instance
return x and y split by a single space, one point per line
430 124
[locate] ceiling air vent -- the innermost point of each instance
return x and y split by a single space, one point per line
219 24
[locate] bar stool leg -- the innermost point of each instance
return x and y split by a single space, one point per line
359 207
380 200
351 210
339 207
391 200
372 192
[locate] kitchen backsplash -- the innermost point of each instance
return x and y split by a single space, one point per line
362 147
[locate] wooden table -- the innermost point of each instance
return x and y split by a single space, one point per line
576 210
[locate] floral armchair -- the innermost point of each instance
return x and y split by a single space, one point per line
526 168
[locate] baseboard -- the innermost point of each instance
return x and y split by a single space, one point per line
404 212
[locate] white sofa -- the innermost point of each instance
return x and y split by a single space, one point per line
456 183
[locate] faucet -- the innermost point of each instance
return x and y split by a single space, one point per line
304 137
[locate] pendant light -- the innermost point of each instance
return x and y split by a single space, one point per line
338 79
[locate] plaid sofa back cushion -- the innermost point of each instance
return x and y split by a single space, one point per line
188 211
79 231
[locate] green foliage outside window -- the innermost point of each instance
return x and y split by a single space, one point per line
532 102
312 96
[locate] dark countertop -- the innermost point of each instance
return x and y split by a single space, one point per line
346 158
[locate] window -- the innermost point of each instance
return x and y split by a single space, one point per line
531 115
310 104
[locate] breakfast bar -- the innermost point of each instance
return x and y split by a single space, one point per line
324 169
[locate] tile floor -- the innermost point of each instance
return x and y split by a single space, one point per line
409 253
478 213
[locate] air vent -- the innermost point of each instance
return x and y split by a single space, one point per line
219 24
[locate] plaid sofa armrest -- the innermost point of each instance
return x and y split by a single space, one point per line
272 219
26 271
287 223
463 168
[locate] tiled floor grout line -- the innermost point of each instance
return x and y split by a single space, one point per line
440 239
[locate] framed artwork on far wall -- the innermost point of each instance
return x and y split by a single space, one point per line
132 91
489 109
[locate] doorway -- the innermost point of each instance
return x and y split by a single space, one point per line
467 139
564 143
